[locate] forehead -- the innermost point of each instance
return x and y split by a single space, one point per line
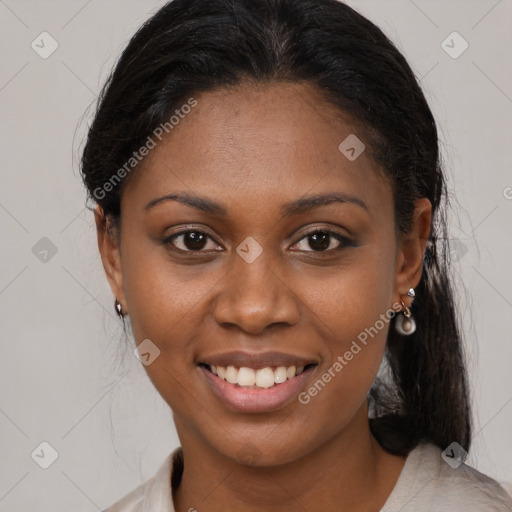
259 143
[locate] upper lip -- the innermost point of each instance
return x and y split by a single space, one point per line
241 358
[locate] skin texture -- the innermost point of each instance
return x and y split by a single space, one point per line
252 148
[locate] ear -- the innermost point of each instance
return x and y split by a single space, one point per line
110 251
411 251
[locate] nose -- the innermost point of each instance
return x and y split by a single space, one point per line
254 296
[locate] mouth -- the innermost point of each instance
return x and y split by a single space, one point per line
256 378
255 384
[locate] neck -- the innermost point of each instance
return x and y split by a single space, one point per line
348 472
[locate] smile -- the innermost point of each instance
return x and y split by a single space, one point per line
262 378
256 388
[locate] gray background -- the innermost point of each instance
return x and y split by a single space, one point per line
64 375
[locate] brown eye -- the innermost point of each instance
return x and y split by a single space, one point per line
192 241
319 241
322 241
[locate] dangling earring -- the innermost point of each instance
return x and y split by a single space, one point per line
119 309
405 323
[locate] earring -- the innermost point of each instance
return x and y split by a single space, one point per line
119 309
405 323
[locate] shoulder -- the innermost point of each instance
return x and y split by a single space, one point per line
466 487
428 482
156 493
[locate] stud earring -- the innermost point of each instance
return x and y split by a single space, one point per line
405 323
119 309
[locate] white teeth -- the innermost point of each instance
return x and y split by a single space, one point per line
262 377
231 374
246 377
280 375
221 372
290 372
265 378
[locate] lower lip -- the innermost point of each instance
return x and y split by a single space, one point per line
254 399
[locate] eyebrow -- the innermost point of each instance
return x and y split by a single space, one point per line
288 209
201 203
305 204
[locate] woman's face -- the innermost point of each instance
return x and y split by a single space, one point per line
250 285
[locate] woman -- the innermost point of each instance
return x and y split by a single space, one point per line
270 218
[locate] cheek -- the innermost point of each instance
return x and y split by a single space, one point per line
162 297
355 338
351 299
338 392
352 311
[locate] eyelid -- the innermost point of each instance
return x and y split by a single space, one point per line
342 239
167 241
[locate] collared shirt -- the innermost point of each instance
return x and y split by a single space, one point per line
426 483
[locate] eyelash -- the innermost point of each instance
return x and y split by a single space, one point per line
344 241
